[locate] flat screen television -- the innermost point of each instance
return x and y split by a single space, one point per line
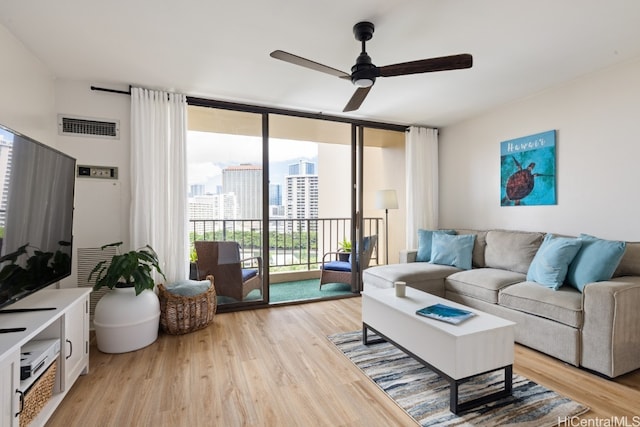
36 215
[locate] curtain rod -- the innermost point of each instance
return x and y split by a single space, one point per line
102 89
204 102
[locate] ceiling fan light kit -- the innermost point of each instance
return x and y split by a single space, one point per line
364 72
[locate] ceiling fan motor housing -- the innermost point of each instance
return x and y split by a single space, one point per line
364 70
364 73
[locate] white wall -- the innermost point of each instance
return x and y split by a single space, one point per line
27 92
102 206
597 120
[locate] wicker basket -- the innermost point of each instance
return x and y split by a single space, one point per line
181 315
38 395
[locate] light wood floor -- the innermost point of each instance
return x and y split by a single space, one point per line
275 367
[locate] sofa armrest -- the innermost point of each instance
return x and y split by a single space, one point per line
408 255
611 329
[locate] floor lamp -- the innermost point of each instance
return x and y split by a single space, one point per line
386 199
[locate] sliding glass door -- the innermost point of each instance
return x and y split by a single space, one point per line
225 207
273 196
309 168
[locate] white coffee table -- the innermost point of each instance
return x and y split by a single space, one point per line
481 344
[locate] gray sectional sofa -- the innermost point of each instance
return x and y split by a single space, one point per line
598 328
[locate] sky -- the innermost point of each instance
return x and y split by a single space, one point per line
208 153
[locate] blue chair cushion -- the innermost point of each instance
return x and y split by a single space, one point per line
248 274
337 266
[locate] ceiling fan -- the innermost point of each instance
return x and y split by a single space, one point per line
364 73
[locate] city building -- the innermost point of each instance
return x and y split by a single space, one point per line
301 196
245 181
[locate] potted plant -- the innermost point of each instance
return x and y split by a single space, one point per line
193 264
127 318
344 248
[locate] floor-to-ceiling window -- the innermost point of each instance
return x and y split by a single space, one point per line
310 161
225 201
282 187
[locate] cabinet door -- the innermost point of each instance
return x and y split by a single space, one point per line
76 341
9 381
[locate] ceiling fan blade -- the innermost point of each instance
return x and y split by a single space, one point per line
443 63
303 62
356 100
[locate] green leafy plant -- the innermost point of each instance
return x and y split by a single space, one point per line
345 245
131 269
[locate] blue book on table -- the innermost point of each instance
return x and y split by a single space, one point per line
445 313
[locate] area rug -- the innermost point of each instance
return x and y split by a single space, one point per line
425 396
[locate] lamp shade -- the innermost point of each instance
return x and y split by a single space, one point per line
386 199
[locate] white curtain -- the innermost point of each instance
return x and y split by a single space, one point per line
422 181
159 178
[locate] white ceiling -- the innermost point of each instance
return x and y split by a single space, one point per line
220 49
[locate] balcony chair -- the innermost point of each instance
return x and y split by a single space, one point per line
334 271
222 261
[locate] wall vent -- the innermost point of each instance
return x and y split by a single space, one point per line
84 126
87 260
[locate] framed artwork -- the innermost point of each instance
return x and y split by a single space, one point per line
528 170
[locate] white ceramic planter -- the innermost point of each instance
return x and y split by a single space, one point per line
126 322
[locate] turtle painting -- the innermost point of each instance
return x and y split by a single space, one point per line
530 185
521 182
528 170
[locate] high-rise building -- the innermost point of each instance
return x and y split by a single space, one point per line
245 181
204 210
196 190
217 206
275 194
302 194
302 168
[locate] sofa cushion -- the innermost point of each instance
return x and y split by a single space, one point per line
478 247
420 275
511 250
482 283
630 262
549 266
596 261
563 305
425 239
452 250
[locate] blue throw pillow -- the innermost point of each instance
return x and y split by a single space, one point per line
452 250
596 261
189 288
425 238
551 262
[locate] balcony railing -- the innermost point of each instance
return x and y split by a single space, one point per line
294 244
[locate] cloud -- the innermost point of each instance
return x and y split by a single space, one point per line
209 153
201 173
224 149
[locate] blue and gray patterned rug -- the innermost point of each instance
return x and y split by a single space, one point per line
425 396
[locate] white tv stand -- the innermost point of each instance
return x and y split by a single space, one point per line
68 322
